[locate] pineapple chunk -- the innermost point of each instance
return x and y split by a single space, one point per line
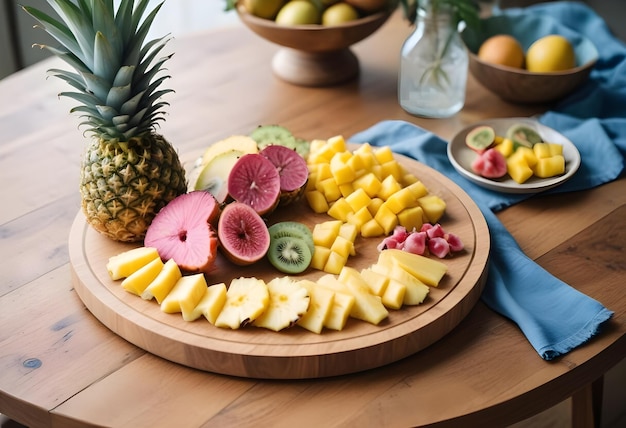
124 264
161 286
339 311
359 218
323 171
528 154
541 150
329 188
383 154
342 246
427 270
320 257
415 292
434 207
392 168
337 143
246 300
367 307
505 147
185 296
375 205
317 201
320 306
139 280
376 282
555 149
518 169
418 188
346 189
348 231
394 295
288 301
211 303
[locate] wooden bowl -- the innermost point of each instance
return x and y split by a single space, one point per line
315 55
519 85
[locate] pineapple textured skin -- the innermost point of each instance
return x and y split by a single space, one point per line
128 172
124 185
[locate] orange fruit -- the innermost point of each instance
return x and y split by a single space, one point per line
502 49
550 53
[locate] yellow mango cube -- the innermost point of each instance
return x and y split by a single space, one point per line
346 189
367 306
340 209
433 206
365 159
418 189
550 166
316 145
555 149
329 188
349 231
386 218
342 246
528 154
541 150
375 205
383 154
337 143
364 148
372 229
411 218
518 168
403 198
369 183
325 233
360 217
343 302
388 187
505 147
408 179
342 172
392 168
317 201
320 257
358 199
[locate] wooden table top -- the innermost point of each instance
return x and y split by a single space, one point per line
59 366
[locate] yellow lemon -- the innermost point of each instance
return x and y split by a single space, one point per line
263 8
550 53
339 13
298 12
502 49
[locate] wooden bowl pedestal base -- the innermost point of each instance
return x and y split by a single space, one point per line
315 68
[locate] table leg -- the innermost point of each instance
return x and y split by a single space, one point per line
587 405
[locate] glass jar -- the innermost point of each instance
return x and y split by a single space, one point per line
434 64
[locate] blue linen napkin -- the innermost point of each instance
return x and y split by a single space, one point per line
554 317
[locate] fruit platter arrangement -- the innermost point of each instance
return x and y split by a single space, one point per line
264 255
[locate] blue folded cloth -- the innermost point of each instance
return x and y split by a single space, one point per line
554 317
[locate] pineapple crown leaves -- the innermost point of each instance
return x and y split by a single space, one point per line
115 72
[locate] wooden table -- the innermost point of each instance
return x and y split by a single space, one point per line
60 367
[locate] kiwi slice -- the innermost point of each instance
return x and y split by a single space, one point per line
292 229
480 138
289 255
264 135
523 135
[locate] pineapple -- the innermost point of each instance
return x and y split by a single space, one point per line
128 171
246 300
288 302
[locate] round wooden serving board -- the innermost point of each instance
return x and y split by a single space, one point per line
294 353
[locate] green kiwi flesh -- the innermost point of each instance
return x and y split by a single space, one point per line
289 255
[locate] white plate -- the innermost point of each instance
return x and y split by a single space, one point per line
462 157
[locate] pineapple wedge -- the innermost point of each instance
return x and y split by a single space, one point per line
211 303
288 301
124 264
246 300
416 290
427 270
163 283
320 306
185 296
137 282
